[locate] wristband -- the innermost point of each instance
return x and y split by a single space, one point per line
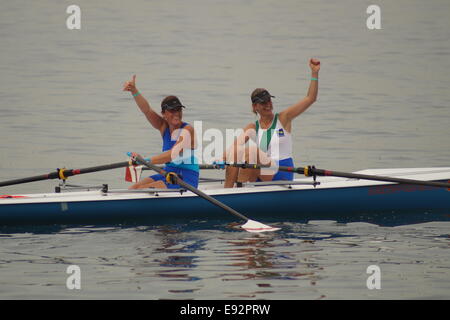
136 94
219 164
314 79
130 154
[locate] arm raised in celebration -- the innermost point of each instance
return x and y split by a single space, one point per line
152 116
290 113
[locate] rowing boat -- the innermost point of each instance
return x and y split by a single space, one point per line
304 199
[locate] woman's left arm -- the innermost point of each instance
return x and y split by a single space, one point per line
287 115
186 140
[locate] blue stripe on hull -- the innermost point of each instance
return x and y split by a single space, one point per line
387 205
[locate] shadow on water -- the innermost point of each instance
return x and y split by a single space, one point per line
176 227
221 253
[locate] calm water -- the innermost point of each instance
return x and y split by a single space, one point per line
318 260
383 102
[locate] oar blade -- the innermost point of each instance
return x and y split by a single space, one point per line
257 227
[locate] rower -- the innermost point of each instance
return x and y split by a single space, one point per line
272 134
178 150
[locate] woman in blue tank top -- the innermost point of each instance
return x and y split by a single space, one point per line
178 141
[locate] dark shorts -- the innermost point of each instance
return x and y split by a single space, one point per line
188 176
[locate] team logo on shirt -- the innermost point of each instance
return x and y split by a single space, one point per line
280 132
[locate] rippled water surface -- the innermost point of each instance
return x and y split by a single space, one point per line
318 260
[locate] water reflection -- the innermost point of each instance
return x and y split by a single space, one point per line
261 259
302 261
174 262
297 262
269 262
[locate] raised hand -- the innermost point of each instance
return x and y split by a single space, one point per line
314 64
130 85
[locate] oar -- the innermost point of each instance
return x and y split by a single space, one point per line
250 225
311 171
65 173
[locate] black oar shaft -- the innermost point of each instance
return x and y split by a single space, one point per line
29 179
191 188
65 173
111 166
312 171
321 172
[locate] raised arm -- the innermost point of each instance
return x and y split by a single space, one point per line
153 117
290 113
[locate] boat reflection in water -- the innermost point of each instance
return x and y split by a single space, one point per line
209 259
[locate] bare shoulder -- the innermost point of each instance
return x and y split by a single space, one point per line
187 132
250 131
285 120
188 135
284 116
251 125
189 128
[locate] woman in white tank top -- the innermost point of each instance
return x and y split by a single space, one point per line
272 135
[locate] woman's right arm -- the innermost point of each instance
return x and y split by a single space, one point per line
231 153
154 118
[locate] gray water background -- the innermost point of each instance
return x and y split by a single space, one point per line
383 102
